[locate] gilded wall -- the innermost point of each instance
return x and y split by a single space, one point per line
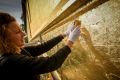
99 60
101 63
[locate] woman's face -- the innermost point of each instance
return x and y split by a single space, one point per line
15 34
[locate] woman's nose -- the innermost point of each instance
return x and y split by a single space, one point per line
23 33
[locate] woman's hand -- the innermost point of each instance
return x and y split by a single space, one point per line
70 27
73 36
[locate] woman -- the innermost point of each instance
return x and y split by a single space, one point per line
21 63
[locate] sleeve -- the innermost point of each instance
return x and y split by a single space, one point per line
43 64
44 47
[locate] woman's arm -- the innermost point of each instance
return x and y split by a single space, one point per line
44 47
39 65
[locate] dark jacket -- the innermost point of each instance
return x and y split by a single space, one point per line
27 65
